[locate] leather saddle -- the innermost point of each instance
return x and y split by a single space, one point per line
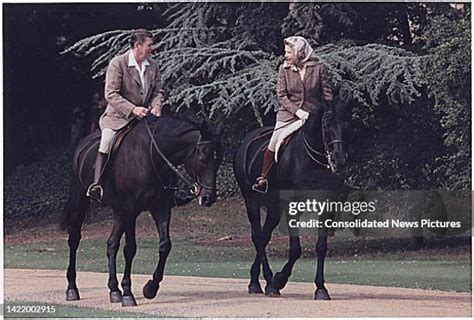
119 137
264 147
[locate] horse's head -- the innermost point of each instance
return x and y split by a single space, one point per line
204 162
333 141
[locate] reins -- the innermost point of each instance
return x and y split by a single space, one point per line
194 187
327 155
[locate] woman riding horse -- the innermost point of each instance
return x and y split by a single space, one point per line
311 161
302 84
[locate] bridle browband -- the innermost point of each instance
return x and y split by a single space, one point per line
195 186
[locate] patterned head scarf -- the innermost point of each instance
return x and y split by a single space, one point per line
302 49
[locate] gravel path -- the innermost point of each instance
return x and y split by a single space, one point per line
218 297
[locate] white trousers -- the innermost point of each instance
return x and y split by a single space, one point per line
106 140
281 131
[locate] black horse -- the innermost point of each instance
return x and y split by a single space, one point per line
139 178
312 160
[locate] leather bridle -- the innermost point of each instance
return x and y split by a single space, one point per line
195 186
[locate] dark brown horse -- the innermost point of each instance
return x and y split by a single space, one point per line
139 178
312 161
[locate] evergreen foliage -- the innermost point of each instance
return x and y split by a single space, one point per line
221 60
220 71
447 73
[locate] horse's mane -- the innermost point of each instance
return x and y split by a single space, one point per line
177 125
329 117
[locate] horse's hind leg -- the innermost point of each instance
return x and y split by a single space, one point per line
294 253
75 217
253 214
113 244
72 292
254 286
271 221
162 221
261 238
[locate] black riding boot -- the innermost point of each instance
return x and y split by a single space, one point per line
95 190
261 184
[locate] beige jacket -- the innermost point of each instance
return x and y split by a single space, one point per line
123 91
307 94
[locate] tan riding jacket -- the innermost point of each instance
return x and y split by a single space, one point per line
123 91
307 94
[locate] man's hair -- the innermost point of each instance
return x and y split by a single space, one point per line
139 36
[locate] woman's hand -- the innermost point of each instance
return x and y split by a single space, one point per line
303 115
156 110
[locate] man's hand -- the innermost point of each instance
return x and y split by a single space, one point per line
303 115
156 110
140 112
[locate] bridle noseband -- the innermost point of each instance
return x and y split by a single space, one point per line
198 185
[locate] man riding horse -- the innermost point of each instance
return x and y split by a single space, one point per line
132 86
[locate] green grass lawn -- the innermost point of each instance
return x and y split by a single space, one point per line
434 272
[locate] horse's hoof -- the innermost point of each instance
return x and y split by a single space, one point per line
72 294
321 294
115 296
278 281
150 289
129 301
270 291
255 288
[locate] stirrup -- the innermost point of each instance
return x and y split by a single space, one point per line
91 192
259 183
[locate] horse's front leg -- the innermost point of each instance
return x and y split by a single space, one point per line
321 249
162 221
129 251
113 244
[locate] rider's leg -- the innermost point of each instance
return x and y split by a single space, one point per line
261 184
95 190
280 133
285 132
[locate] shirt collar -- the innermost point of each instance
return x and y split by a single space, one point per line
133 63
295 68
292 67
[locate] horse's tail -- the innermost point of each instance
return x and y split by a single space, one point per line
77 208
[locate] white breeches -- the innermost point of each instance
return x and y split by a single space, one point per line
106 140
281 131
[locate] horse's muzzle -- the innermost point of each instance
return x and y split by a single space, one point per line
340 171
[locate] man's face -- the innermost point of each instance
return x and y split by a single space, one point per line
144 49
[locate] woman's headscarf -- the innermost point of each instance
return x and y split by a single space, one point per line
302 49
